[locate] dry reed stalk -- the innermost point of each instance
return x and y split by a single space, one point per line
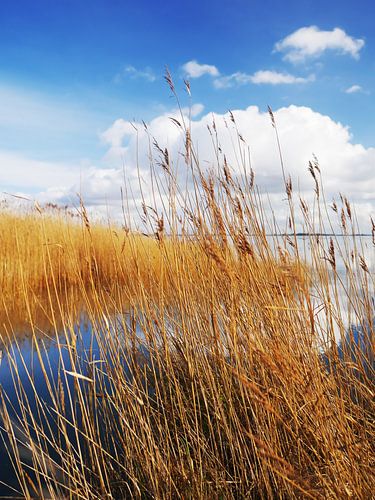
214 382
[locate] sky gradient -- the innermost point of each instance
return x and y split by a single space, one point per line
73 74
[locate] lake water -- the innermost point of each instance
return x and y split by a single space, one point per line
56 357
57 360
31 374
348 280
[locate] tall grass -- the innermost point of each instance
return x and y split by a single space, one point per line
223 377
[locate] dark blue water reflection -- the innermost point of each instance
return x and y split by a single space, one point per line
35 384
55 356
357 348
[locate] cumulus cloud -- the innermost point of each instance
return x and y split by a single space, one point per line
193 69
310 41
346 167
134 73
260 77
195 110
353 89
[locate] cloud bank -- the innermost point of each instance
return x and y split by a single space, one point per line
346 167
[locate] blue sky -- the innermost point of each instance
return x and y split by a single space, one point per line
70 69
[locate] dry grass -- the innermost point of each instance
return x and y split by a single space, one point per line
213 383
43 254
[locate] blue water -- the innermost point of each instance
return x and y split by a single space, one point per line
30 372
55 358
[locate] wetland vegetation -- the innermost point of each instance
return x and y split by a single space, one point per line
198 359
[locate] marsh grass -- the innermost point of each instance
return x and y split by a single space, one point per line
214 383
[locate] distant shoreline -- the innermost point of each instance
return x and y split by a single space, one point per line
319 234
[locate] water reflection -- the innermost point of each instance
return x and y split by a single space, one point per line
37 384
344 295
356 350
37 377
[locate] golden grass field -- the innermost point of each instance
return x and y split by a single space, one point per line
211 381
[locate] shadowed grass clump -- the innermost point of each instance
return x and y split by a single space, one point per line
205 374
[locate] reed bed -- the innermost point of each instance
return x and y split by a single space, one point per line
214 368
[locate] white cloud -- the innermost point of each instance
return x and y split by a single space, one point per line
353 89
310 41
275 78
346 167
260 77
134 73
194 111
193 69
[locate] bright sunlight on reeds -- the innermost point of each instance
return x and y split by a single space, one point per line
224 359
